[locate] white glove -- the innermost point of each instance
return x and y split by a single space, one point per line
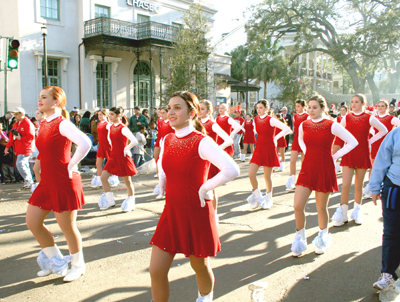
72 168
127 152
203 195
162 183
275 143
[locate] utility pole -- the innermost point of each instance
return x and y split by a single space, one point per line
5 70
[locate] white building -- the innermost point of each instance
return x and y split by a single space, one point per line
101 52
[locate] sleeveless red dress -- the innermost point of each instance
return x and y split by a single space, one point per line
282 141
117 163
223 123
249 137
337 140
265 153
387 121
210 132
56 191
184 226
360 156
104 148
163 129
298 119
318 170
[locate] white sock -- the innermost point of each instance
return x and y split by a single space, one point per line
52 251
293 178
109 196
324 231
357 205
269 195
302 233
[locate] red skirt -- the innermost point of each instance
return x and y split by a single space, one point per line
265 156
121 166
213 171
338 142
358 158
103 152
295 144
229 150
249 138
282 143
375 147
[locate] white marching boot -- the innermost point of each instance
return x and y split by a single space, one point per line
322 241
255 198
299 244
243 157
106 201
96 182
206 298
357 215
282 166
51 260
340 216
78 267
291 183
128 204
267 202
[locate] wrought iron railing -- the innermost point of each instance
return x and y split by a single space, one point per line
124 29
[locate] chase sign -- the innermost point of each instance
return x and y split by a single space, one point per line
144 5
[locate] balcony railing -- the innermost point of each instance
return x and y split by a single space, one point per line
124 29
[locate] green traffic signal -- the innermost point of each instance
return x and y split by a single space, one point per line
13 54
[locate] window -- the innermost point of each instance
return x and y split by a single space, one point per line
50 9
336 84
101 11
106 71
142 84
53 73
142 18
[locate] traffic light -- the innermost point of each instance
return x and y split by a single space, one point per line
13 54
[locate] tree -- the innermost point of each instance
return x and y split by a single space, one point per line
356 33
188 61
238 66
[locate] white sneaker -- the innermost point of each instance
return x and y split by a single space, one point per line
290 184
384 281
104 204
252 201
357 215
267 201
322 241
207 298
243 157
160 196
340 216
128 204
299 244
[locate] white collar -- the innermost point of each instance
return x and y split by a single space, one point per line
166 121
223 115
359 113
52 117
302 113
184 131
318 119
383 115
105 121
117 124
205 120
343 115
263 116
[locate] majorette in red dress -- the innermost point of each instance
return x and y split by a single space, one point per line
104 148
360 156
56 191
282 141
249 137
337 140
240 120
224 124
318 170
298 119
387 122
117 163
210 132
184 226
265 153
163 128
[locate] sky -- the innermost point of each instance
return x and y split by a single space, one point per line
229 16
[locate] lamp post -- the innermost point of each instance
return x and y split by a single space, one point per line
44 34
247 84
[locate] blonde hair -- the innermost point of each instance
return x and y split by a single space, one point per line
209 107
58 94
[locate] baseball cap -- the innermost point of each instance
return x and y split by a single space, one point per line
18 110
237 111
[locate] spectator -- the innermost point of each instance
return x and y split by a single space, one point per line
3 134
138 151
145 112
77 121
72 114
22 138
6 121
392 110
93 128
154 116
136 120
85 122
289 121
6 163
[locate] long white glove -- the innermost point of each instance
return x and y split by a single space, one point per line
350 141
133 141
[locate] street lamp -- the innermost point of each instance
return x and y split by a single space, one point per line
247 84
44 34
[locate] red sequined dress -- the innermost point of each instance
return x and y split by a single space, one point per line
104 148
265 153
360 156
210 132
318 170
249 137
387 121
56 191
298 119
184 226
337 140
224 124
163 128
117 163
282 141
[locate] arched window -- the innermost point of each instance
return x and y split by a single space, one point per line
141 77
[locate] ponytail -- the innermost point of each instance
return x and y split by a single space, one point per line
124 120
198 125
65 114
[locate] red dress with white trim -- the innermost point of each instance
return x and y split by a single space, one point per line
249 137
104 148
318 170
282 141
337 140
387 121
210 132
163 128
240 120
184 226
360 156
56 191
265 153
298 119
117 163
224 124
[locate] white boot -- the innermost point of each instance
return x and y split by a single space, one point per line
243 157
267 203
48 257
282 166
128 204
299 244
78 267
206 298
322 241
357 215
106 201
253 198
113 180
291 183
340 216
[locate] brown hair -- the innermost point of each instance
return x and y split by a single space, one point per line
193 103
361 97
265 103
104 111
280 118
302 102
209 107
120 111
321 101
385 102
58 94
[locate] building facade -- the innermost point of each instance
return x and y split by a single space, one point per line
102 53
